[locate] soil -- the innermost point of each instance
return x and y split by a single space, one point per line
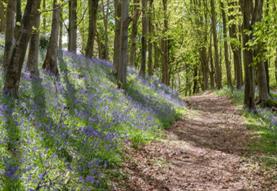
207 150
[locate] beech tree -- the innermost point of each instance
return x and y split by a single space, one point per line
72 29
14 62
50 62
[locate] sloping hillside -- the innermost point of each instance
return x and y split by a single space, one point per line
69 133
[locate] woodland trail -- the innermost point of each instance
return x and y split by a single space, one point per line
204 151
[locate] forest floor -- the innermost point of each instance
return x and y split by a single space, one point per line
206 150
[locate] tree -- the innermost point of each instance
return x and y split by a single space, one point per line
226 49
235 43
144 7
15 62
117 31
134 33
50 62
123 61
218 75
249 91
72 29
9 33
93 8
164 46
2 16
33 56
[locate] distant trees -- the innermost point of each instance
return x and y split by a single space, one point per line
185 43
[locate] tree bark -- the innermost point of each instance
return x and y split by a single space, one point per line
236 49
9 33
218 77
93 8
211 61
116 55
33 57
2 16
134 33
226 50
14 67
164 45
144 6
249 91
72 30
124 22
50 62
260 57
150 43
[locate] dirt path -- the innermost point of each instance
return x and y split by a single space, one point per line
204 151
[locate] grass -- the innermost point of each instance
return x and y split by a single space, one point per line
265 142
69 133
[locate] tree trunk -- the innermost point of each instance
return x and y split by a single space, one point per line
218 77
2 16
50 62
72 30
61 29
260 57
14 67
249 91
9 33
211 61
93 8
150 43
226 50
106 21
165 51
235 48
116 55
134 33
124 22
33 57
144 6
18 18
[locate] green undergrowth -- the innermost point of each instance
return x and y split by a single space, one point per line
264 144
70 133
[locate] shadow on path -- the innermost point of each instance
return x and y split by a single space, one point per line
203 151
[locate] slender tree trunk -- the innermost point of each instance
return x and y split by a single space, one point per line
72 31
260 57
106 21
61 29
235 48
226 50
2 16
249 91
14 67
150 43
276 67
18 18
218 77
9 33
33 57
124 22
134 33
93 8
144 6
116 55
50 62
211 61
165 51
44 17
